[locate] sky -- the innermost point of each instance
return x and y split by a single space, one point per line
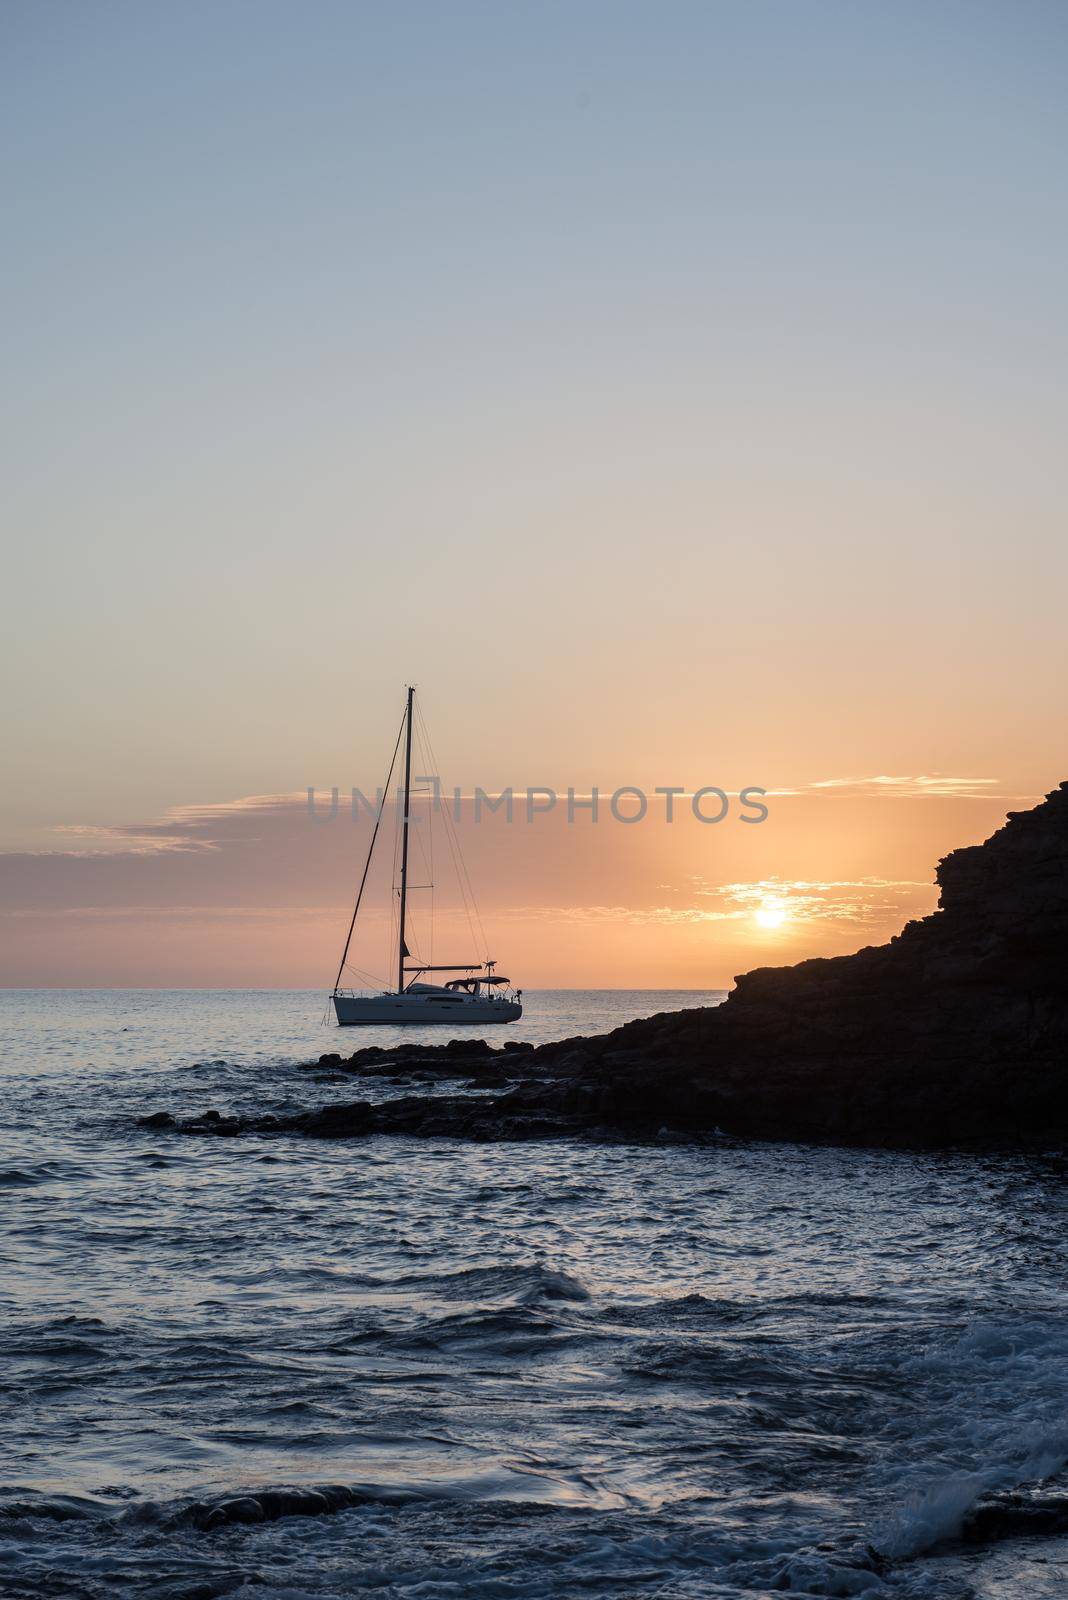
674 393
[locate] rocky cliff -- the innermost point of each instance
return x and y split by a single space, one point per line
955 1031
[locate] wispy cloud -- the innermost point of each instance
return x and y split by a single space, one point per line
198 913
140 839
860 902
905 787
602 913
181 828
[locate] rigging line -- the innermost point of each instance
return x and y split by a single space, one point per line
456 868
477 915
411 937
394 899
467 893
430 839
467 899
470 889
367 863
418 845
361 972
463 872
426 842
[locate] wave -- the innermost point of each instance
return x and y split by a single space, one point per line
488 1331
30 1175
704 1362
689 1311
19 1503
997 1401
518 1284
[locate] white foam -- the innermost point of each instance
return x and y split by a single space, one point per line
998 1418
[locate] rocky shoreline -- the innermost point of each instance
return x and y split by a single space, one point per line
955 1032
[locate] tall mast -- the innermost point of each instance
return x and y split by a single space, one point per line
402 950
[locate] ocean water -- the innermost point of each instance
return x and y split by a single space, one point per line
548 1369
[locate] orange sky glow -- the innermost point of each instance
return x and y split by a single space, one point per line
258 894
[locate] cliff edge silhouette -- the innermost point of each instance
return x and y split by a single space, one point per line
956 1029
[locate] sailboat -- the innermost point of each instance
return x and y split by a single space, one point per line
475 997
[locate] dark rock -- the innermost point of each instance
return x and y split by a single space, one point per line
458 1058
268 1505
245 1509
1019 1513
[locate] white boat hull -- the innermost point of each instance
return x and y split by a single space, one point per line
393 1009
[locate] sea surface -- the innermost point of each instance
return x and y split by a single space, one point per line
549 1369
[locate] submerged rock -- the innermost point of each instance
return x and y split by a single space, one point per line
158 1119
269 1505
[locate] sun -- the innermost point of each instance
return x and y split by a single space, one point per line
771 914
